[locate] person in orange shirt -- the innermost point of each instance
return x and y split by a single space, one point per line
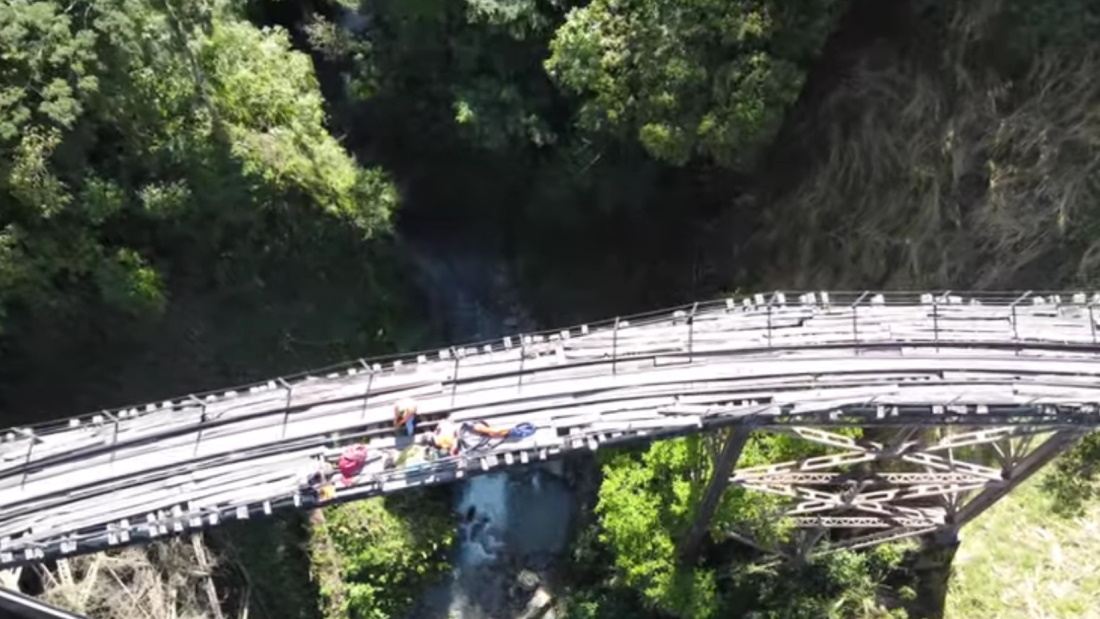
404 417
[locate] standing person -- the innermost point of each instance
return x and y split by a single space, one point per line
404 417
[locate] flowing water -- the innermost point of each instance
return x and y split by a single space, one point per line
506 521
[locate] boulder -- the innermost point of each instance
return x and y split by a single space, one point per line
528 580
540 602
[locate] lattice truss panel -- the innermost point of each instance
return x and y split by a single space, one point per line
907 482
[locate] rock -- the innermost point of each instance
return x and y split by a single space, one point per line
555 468
538 605
528 580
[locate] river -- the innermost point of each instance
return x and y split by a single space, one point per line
507 522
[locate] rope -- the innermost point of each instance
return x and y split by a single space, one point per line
520 430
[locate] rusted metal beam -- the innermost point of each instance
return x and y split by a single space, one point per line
873 478
719 481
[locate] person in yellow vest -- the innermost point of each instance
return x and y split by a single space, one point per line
404 417
445 439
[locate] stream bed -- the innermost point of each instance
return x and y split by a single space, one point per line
511 524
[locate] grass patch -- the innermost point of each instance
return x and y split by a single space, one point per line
1019 559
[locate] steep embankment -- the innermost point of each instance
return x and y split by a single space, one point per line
941 144
1020 560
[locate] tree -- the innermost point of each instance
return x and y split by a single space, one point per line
841 585
648 500
705 77
373 556
647 503
140 121
1072 482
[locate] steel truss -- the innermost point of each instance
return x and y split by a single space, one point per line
918 481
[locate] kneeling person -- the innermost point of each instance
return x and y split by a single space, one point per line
405 417
445 439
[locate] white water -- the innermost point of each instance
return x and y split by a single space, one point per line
483 511
506 521
521 514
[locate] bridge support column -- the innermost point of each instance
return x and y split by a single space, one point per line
933 574
719 481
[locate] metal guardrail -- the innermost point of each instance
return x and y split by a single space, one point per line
395 362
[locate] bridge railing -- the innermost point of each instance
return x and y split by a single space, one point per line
397 362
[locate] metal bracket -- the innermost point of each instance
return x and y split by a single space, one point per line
855 320
1015 330
691 333
867 478
366 393
615 348
286 408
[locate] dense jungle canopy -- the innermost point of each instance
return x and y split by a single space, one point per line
196 193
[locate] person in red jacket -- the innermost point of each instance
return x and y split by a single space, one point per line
352 461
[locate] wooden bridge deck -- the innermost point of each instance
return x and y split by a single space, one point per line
902 359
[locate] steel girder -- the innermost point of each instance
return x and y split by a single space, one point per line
874 492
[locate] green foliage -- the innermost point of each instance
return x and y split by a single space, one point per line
708 77
272 554
173 203
145 114
605 603
836 586
268 97
520 18
386 550
475 68
1072 479
646 503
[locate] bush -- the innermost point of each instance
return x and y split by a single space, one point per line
646 502
372 557
1072 483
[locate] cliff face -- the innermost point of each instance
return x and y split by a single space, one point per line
944 144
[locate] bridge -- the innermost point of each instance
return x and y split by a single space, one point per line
960 397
